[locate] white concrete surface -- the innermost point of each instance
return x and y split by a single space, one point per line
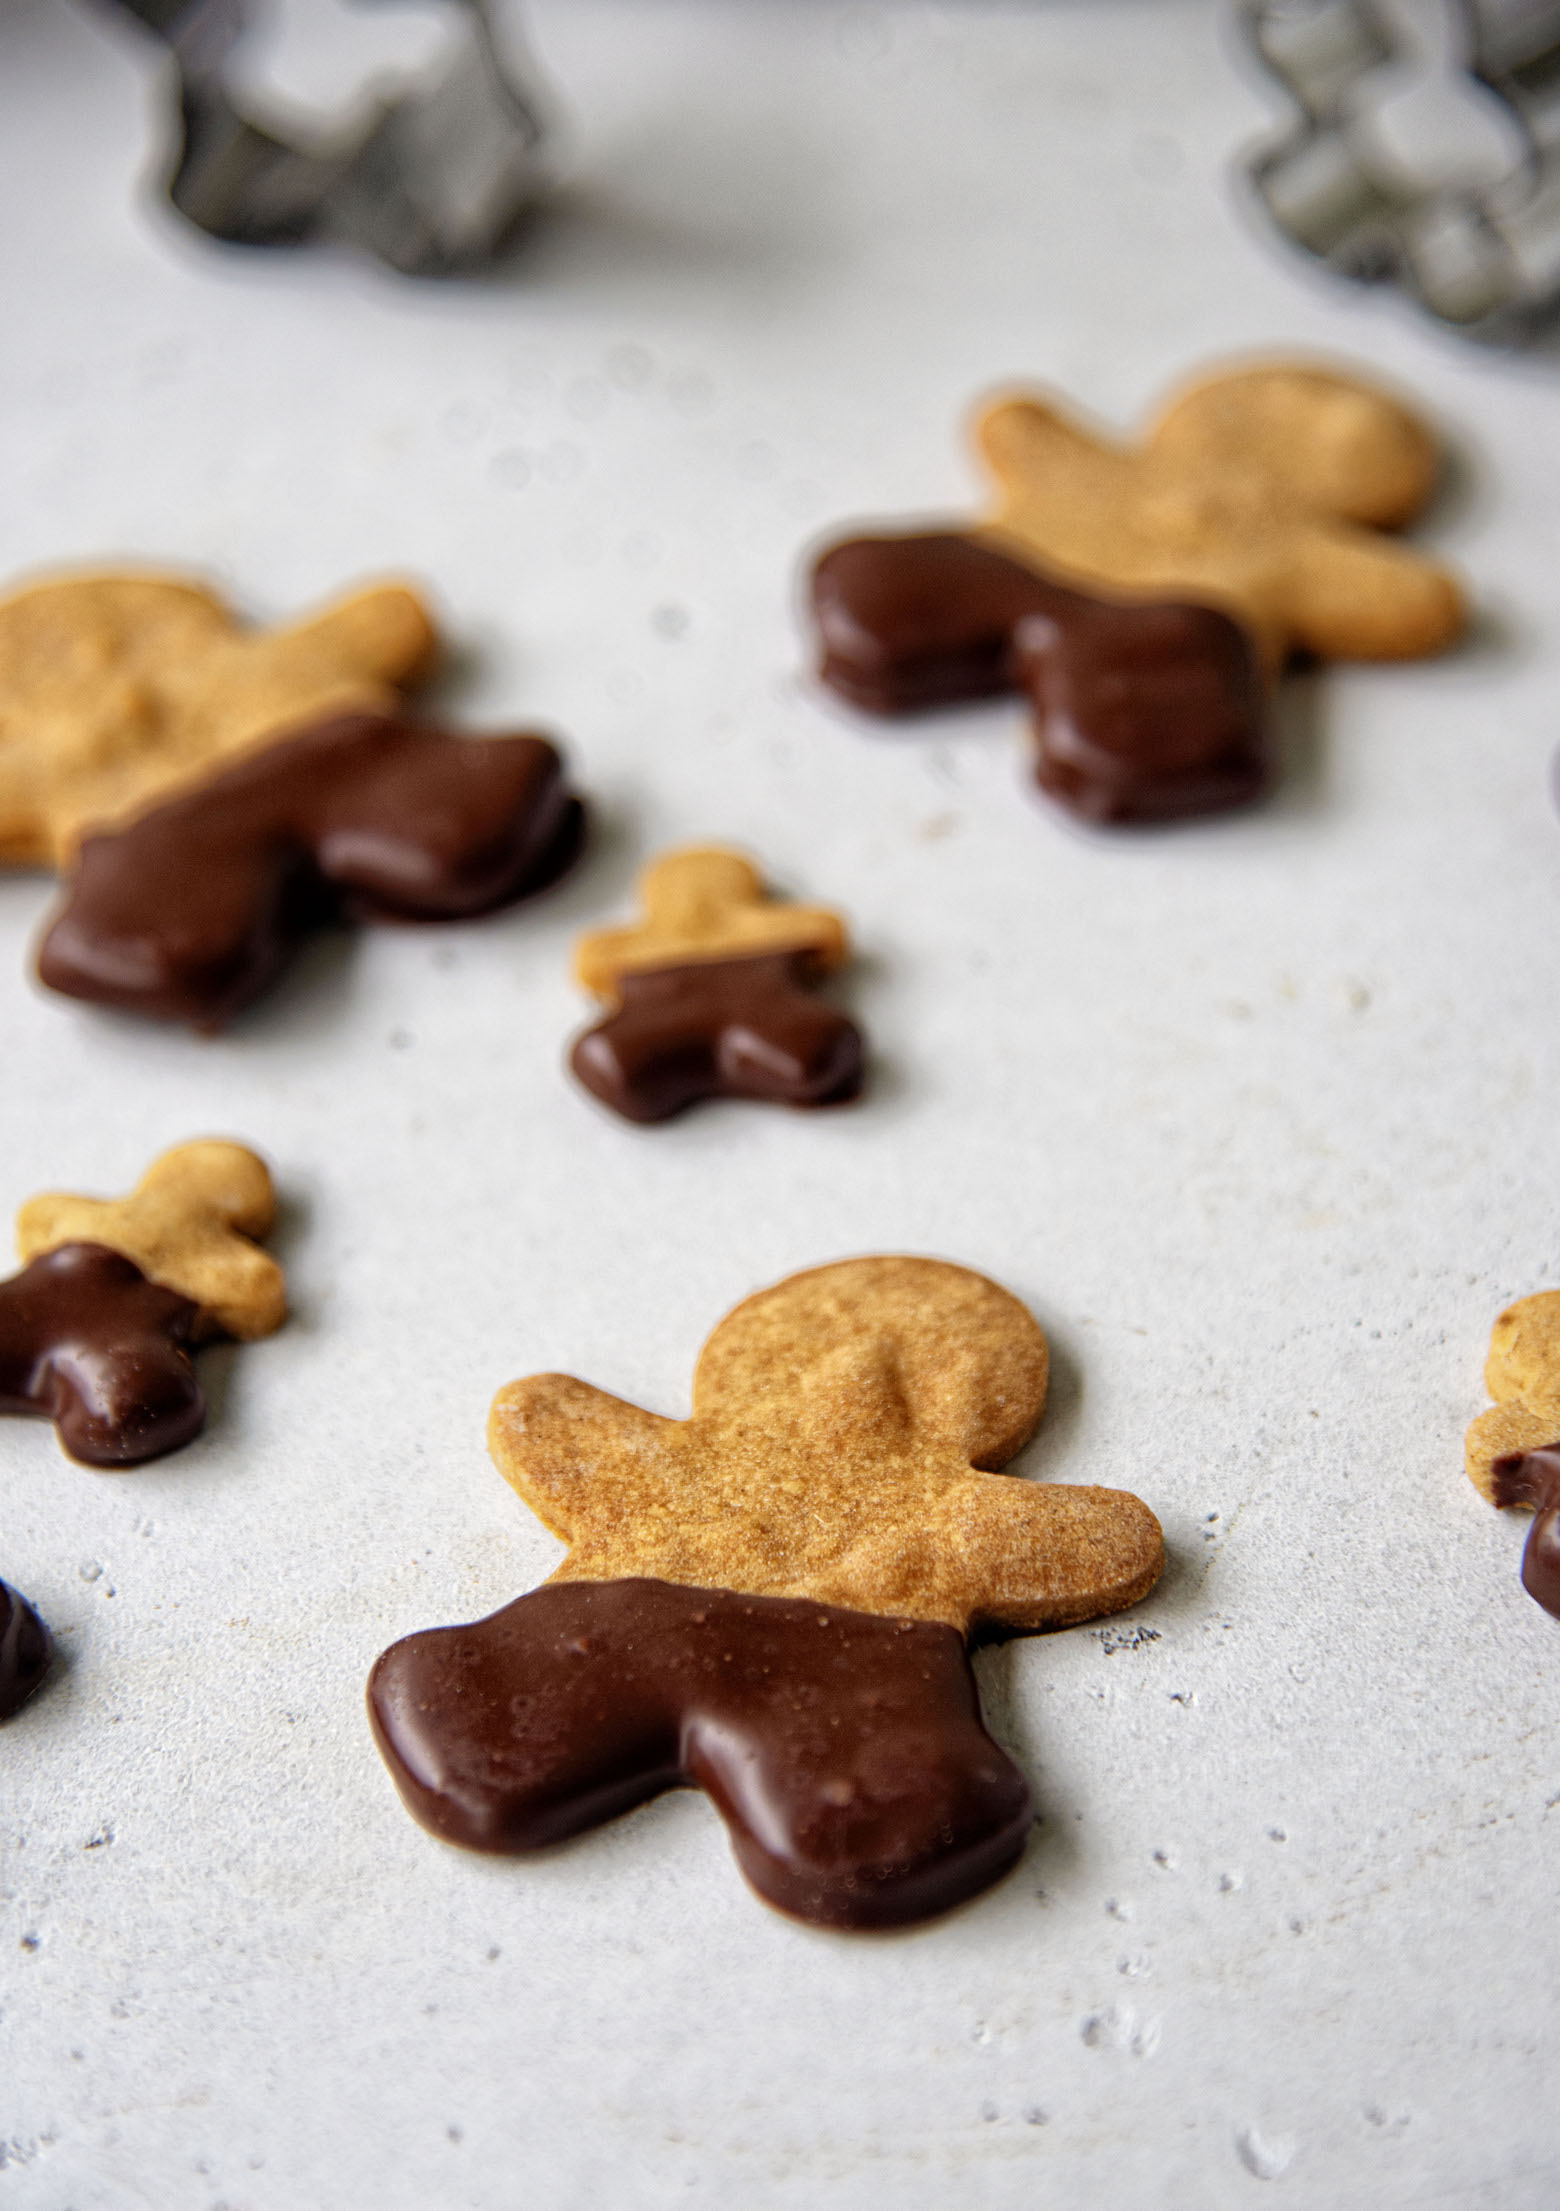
1259 1116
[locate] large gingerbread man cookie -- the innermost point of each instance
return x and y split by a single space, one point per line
213 792
1147 595
771 1600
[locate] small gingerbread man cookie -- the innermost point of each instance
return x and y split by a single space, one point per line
1513 1450
771 1600
710 995
96 1332
1146 596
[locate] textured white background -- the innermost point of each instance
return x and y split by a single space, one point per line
1258 1116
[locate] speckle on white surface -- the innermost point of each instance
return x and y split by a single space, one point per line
1258 1116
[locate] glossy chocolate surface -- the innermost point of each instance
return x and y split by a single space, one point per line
25 1650
747 1028
908 624
844 1752
188 913
87 1342
1144 711
1533 1478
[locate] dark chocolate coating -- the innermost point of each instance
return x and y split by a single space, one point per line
907 624
1144 713
747 1028
1533 1478
25 1650
88 1342
1144 710
188 913
845 1752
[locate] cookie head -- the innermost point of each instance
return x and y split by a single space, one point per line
1325 441
893 1353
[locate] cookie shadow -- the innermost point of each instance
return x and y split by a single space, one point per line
217 1363
1051 1851
1301 744
609 232
601 878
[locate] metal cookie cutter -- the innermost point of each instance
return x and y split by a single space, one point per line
434 181
1479 250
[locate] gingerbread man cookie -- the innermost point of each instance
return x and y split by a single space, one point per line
213 793
117 689
770 1601
96 1332
710 995
1513 1450
1147 596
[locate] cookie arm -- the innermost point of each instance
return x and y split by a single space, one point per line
587 1464
1355 596
382 637
1040 461
1043 1555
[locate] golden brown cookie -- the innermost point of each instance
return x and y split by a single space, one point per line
705 903
1513 1450
1522 1374
117 689
98 1331
1261 490
189 1225
769 1601
846 1429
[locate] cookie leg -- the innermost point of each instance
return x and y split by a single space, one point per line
745 1028
88 1342
526 1727
790 1047
859 1785
910 623
1144 713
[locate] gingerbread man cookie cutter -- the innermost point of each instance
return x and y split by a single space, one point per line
1513 1450
1474 240
771 1600
711 995
214 793
1147 596
97 1331
434 182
